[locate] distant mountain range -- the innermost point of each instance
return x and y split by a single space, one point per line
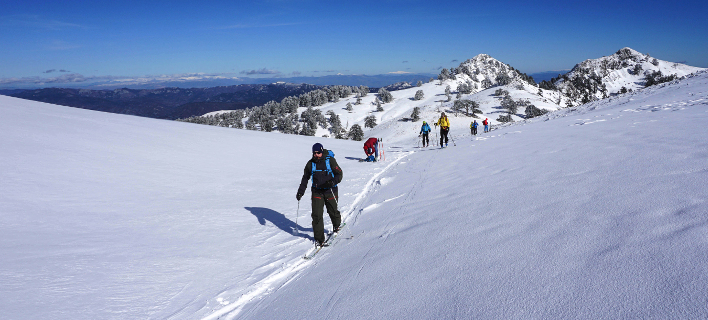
589 80
165 103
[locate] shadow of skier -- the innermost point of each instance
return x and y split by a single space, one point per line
279 220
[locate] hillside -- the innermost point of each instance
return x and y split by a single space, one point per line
594 211
503 94
623 71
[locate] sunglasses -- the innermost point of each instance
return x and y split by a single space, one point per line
317 152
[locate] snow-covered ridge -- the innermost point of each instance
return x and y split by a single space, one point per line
625 70
480 80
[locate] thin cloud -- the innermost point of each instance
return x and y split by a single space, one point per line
250 26
399 72
114 80
58 45
37 22
297 73
261 71
55 70
453 61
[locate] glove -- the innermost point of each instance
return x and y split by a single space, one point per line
299 196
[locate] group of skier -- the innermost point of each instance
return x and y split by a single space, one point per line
324 172
444 124
474 125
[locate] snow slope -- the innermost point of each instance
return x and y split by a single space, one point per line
594 213
598 211
108 216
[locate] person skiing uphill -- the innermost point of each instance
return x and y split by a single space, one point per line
444 124
325 174
424 131
473 127
371 148
486 124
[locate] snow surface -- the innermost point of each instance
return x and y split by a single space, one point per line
595 212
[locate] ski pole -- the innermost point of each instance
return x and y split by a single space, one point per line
295 231
335 198
453 141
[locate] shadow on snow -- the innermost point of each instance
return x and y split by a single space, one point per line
279 220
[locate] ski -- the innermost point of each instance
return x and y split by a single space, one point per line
330 238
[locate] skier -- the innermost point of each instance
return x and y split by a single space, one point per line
424 131
473 127
371 148
444 128
486 124
325 174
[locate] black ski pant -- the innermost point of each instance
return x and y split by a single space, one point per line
426 141
443 135
324 198
474 131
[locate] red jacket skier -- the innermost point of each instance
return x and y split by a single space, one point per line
371 148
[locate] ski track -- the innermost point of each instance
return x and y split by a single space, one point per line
295 269
290 271
393 214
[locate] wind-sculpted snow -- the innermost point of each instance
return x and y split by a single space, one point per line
592 212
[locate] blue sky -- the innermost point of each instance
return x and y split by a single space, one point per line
75 39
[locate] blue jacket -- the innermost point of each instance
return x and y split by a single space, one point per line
425 128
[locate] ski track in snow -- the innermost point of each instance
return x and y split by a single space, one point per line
290 270
390 226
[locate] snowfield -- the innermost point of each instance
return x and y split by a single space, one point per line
598 211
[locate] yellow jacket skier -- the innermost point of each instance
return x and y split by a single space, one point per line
444 124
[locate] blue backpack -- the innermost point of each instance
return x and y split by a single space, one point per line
330 154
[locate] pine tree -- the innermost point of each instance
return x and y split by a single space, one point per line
420 83
509 104
308 130
250 125
370 121
444 75
532 111
415 115
238 119
356 133
419 95
350 108
379 108
505 118
385 96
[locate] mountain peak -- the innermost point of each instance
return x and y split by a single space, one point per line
483 71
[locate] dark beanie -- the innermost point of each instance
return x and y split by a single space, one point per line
317 147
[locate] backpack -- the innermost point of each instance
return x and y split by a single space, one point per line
329 155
